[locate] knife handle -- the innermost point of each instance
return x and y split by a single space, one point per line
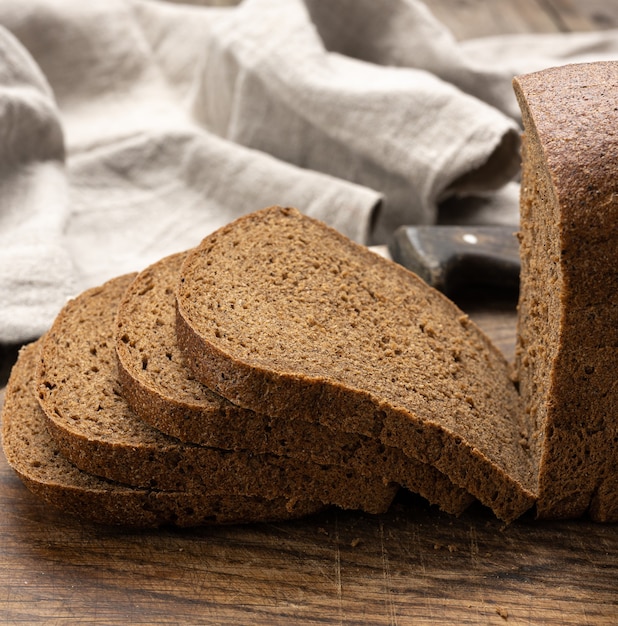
453 258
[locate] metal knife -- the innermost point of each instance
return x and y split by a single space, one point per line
453 258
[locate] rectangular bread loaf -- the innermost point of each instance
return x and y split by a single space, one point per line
567 349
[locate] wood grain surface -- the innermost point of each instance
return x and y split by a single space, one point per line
413 565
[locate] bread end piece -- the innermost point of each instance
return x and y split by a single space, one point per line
566 355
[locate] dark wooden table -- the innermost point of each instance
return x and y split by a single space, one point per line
410 566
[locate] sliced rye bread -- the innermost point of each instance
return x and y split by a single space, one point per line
34 456
158 388
277 310
95 429
567 348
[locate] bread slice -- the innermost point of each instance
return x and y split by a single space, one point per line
276 310
160 390
34 456
567 349
94 428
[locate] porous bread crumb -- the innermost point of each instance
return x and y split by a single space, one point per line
93 426
35 457
159 389
356 342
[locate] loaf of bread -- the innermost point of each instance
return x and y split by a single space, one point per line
94 428
160 390
567 352
279 367
34 456
277 310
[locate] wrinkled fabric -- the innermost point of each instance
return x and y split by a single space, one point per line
130 129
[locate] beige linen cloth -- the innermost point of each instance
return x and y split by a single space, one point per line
130 129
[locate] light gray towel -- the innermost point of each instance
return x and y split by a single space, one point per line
36 270
130 129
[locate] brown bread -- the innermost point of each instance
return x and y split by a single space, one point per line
160 390
34 456
276 310
567 353
95 429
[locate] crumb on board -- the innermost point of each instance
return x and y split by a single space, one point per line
450 547
502 612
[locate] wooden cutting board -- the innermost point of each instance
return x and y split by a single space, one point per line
412 565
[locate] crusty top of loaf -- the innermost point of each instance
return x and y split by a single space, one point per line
293 312
570 120
575 122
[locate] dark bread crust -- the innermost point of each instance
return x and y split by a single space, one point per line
36 459
94 428
567 355
261 321
159 389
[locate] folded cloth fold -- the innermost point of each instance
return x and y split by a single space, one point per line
36 271
130 129
153 194
401 130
